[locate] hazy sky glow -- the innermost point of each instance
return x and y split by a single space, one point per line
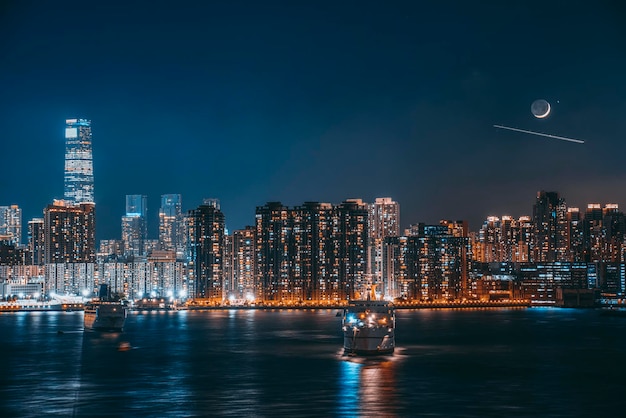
250 102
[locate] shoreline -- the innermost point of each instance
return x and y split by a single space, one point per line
468 305
509 304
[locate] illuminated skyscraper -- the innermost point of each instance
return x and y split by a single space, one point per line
603 233
575 235
134 225
383 222
615 226
550 228
273 252
401 268
522 236
207 222
313 275
36 241
244 264
171 223
69 233
316 251
78 162
351 234
11 224
443 260
488 245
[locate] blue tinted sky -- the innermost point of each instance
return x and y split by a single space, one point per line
250 102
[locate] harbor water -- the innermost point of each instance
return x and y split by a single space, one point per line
267 363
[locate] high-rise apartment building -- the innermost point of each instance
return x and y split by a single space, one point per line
273 237
351 233
575 235
550 228
244 264
383 222
313 274
69 233
401 268
313 252
79 185
207 222
614 224
11 224
171 223
488 246
522 232
135 225
443 260
603 233
36 241
503 239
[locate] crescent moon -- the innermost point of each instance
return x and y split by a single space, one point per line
545 114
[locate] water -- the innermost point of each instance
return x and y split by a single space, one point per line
492 362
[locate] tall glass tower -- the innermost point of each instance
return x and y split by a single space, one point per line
171 223
134 224
78 162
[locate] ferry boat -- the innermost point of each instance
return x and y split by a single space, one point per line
105 316
369 327
102 314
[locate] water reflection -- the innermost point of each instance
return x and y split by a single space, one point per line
367 386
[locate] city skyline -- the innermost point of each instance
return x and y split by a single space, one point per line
253 103
155 225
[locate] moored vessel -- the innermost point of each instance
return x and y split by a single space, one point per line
103 314
369 327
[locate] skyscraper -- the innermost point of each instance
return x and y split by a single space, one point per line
351 235
11 224
69 233
316 251
171 223
36 241
244 264
207 222
550 227
575 235
78 162
443 260
312 267
383 222
134 225
401 267
273 236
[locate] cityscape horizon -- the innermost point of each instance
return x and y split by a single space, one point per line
312 208
153 220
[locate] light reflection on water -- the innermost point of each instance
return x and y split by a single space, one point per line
290 363
367 386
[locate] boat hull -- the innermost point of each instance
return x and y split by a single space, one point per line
368 342
105 317
369 328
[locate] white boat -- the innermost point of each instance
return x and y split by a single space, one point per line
369 327
105 316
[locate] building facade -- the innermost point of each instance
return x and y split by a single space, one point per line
208 225
135 225
79 183
245 285
384 222
36 241
550 228
69 233
11 224
171 224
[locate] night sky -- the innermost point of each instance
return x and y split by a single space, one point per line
256 101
